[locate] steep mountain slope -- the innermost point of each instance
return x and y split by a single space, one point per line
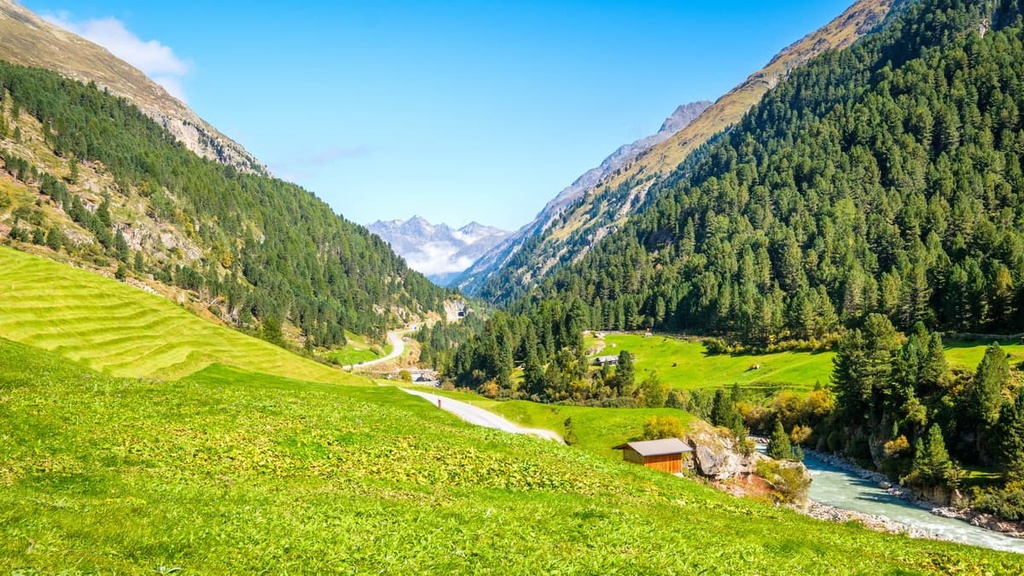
566 235
29 40
437 250
91 180
885 179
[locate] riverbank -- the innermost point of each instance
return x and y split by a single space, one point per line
873 522
971 516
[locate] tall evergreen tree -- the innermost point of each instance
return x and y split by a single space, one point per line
986 393
1010 435
779 446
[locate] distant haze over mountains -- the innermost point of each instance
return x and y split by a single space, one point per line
438 251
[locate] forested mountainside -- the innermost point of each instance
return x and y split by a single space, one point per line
92 180
29 40
562 237
885 178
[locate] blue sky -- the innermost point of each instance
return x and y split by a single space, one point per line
455 111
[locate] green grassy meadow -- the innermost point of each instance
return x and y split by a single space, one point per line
228 472
358 349
597 429
968 355
124 331
686 363
136 438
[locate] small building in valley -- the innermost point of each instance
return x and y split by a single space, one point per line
665 455
609 360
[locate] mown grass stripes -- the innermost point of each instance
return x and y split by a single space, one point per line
123 331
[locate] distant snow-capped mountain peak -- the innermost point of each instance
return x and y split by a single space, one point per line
437 250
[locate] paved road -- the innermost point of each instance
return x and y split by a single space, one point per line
481 417
397 349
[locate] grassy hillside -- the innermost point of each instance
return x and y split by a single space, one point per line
234 472
111 190
357 349
123 331
686 363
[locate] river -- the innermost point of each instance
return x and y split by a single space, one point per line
846 490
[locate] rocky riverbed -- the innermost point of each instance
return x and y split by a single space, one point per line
879 523
969 515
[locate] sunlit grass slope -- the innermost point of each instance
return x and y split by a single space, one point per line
967 355
123 331
686 364
226 472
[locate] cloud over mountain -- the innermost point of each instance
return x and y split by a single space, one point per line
156 60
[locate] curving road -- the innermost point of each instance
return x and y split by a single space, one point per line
397 349
481 417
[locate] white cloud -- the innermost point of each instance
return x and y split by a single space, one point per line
156 60
438 258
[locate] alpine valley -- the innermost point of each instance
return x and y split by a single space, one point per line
205 369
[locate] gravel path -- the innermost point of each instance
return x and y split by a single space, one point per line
397 349
481 417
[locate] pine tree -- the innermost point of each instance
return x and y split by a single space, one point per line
932 465
723 413
779 446
1010 437
625 376
992 376
73 169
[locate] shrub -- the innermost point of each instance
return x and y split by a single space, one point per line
788 482
716 346
657 427
1006 502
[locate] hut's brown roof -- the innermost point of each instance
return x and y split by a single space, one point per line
657 447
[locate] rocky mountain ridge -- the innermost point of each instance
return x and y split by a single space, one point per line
568 232
500 254
28 40
437 250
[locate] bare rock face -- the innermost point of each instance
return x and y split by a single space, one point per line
717 457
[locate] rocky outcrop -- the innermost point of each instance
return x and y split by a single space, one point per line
716 457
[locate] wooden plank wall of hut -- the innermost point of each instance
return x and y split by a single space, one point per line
671 463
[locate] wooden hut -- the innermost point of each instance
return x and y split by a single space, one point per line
665 455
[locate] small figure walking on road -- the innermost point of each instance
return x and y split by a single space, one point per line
438 402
